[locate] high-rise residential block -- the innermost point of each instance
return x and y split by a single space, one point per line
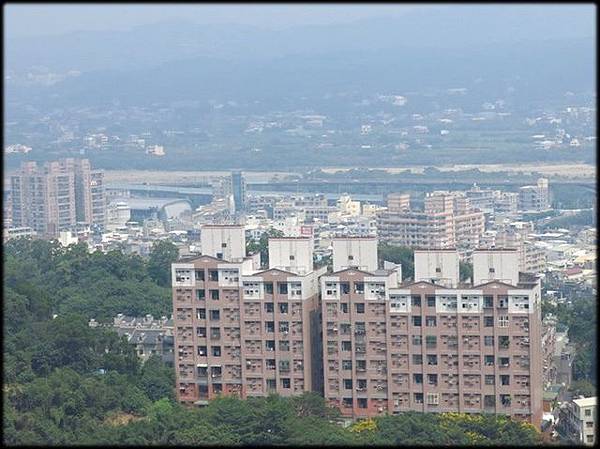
535 198
447 221
240 330
397 202
55 196
372 344
422 346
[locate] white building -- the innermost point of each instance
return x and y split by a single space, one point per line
577 420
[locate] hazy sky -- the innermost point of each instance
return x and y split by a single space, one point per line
42 19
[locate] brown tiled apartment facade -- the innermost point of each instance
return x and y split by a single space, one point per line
370 344
424 347
241 334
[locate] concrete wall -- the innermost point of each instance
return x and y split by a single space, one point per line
354 252
291 254
501 265
440 266
228 241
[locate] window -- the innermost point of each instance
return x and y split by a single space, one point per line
216 351
215 333
432 359
344 307
504 361
359 287
213 275
346 346
202 351
588 412
417 359
488 321
284 327
505 400
489 400
503 342
418 397
431 301
270 326
285 383
345 287
431 341
418 379
362 384
346 364
200 295
345 328
361 365
488 340
347 402
215 315
199 275
488 301
432 379
503 321
433 398
489 379
360 308
417 340
217 388
283 288
271 384
348 384
269 307
362 402
504 379
416 321
489 360
292 258
430 321
350 257
492 270
268 288
201 332
416 300
214 294
283 307
201 314
284 345
270 364
284 365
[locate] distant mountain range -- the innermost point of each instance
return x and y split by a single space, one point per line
536 49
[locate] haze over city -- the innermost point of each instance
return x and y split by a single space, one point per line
300 224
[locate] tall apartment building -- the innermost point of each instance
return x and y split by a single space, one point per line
535 198
390 347
90 198
242 331
532 259
239 190
397 202
447 221
56 195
